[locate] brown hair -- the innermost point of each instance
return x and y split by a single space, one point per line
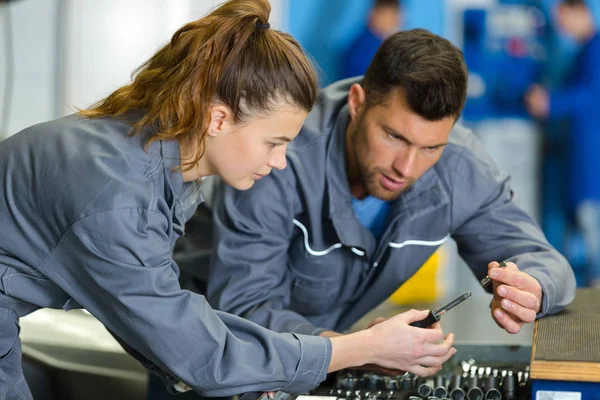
230 56
573 3
387 3
428 67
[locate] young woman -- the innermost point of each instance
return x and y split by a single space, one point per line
91 205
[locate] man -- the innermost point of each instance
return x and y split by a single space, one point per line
578 100
376 181
384 19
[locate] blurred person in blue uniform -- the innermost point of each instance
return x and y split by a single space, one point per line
577 100
384 19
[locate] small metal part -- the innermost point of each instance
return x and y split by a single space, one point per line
407 382
347 381
491 382
442 310
509 387
440 380
457 394
472 382
393 384
525 380
466 365
440 386
474 370
440 392
434 315
425 390
480 371
475 393
455 382
485 282
493 394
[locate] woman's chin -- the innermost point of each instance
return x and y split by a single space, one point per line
242 184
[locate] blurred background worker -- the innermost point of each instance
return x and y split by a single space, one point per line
577 100
384 19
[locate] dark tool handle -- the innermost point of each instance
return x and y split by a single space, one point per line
427 322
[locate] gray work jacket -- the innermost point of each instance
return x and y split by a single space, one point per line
291 254
89 218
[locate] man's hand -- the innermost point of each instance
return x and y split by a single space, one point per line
537 102
517 296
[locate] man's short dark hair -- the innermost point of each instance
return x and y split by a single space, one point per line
573 3
429 68
387 3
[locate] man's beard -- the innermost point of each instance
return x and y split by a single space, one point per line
372 181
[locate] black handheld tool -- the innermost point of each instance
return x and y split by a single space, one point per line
435 314
485 282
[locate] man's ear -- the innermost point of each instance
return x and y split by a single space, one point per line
356 100
220 116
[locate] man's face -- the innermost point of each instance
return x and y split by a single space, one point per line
386 20
390 145
572 20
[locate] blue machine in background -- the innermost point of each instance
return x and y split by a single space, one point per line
508 46
504 50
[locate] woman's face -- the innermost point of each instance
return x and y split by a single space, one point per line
243 153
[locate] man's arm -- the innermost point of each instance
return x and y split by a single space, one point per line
249 272
499 230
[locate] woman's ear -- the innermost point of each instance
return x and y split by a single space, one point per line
356 100
220 116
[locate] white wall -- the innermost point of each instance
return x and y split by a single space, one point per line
106 40
72 53
34 37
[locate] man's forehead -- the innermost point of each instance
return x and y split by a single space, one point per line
406 124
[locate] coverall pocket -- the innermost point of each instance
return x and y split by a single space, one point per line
9 332
312 295
32 287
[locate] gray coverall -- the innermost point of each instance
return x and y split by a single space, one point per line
88 218
291 255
